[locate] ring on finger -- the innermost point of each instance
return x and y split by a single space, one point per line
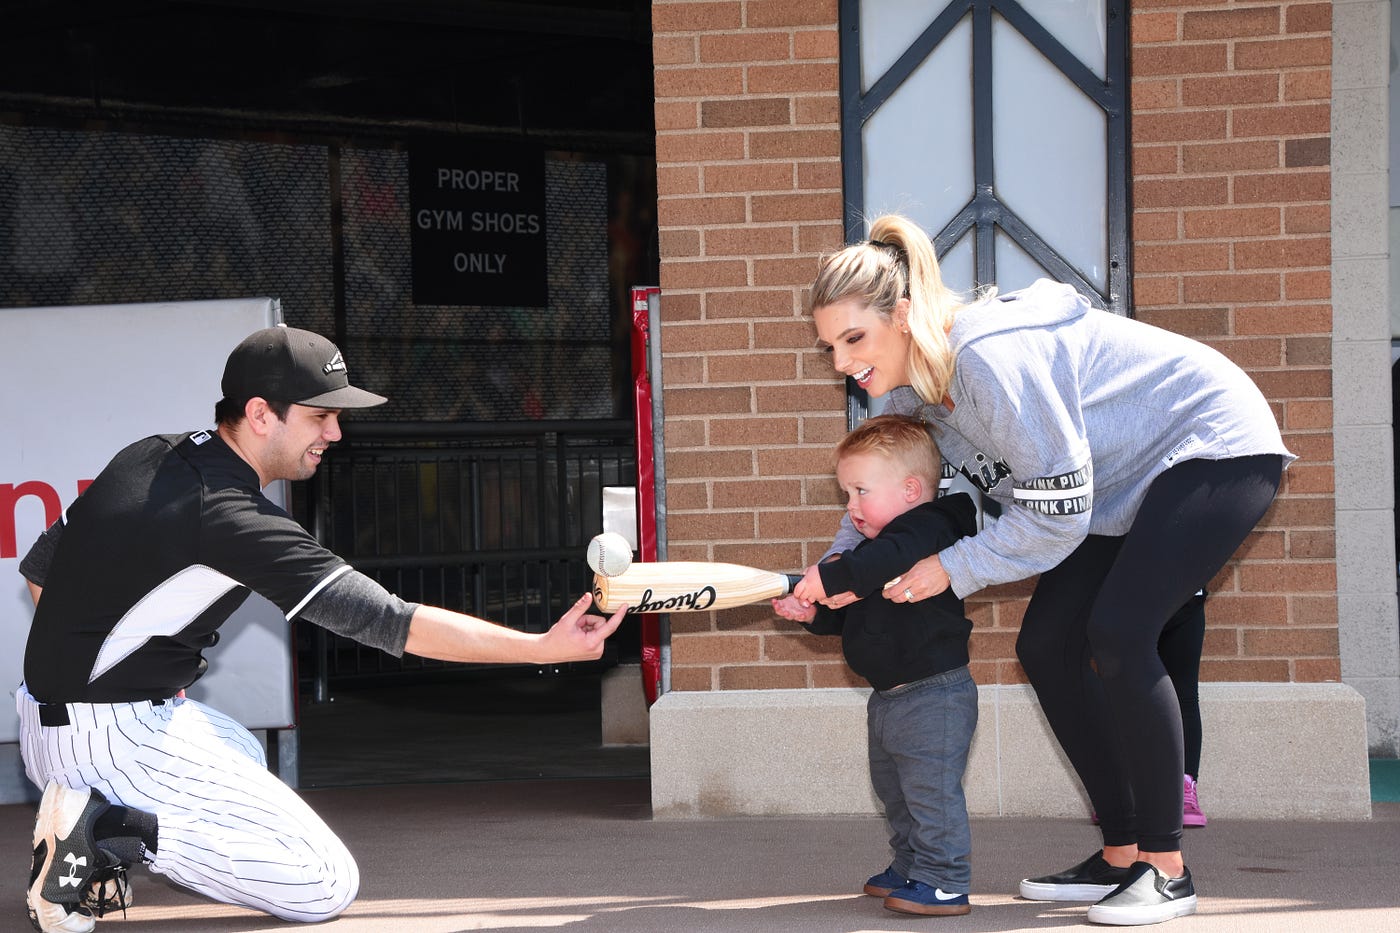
908 594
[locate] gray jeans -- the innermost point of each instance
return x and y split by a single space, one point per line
919 735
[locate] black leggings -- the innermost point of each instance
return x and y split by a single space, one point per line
1088 642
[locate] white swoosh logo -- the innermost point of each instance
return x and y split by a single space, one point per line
942 895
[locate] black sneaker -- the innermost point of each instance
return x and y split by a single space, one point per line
108 891
1090 880
1147 896
65 858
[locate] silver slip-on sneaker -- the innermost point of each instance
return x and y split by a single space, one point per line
1147 896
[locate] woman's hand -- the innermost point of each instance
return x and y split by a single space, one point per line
924 579
840 600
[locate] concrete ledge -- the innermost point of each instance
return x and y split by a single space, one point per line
802 752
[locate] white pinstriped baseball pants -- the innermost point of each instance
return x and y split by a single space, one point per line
228 828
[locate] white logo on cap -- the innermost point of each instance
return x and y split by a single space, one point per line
336 365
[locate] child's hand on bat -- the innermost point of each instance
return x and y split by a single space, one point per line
791 608
809 589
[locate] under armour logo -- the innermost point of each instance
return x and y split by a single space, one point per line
336 365
72 877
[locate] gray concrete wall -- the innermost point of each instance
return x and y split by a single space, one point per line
802 752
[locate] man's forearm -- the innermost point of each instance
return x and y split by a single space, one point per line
451 636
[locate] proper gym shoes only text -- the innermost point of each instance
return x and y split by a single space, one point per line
1147 896
1090 880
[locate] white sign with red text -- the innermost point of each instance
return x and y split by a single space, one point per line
78 384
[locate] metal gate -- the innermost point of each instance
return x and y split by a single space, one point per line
486 519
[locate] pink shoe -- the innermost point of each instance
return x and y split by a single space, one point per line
1191 814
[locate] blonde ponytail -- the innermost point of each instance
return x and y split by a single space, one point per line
898 262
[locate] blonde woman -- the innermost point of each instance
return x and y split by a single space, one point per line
1130 463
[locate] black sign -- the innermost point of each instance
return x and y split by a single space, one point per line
477 217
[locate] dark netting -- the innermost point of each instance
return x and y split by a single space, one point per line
104 218
89 217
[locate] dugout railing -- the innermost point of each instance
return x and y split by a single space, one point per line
491 519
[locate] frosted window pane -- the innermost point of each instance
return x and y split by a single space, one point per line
957 265
1015 267
1080 25
1050 148
918 146
887 27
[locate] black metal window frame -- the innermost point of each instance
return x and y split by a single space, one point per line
985 212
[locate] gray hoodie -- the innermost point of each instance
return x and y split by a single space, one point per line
1065 414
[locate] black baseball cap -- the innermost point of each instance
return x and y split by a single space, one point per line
284 364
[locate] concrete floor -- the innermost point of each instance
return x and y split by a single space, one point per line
491 805
586 856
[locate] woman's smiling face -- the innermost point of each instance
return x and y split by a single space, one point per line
869 348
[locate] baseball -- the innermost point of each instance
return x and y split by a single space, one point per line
609 554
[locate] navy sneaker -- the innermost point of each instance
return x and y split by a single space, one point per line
886 881
1090 880
1147 896
919 898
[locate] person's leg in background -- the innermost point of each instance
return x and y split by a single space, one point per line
1180 648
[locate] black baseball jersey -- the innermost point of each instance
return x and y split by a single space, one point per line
154 556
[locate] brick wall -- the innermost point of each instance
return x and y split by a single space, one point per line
1231 230
1231 193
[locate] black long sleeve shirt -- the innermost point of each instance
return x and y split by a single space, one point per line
891 643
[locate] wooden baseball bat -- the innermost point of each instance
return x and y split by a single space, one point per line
689 586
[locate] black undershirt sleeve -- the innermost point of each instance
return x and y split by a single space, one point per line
35 566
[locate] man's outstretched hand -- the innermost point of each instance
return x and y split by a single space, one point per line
579 635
